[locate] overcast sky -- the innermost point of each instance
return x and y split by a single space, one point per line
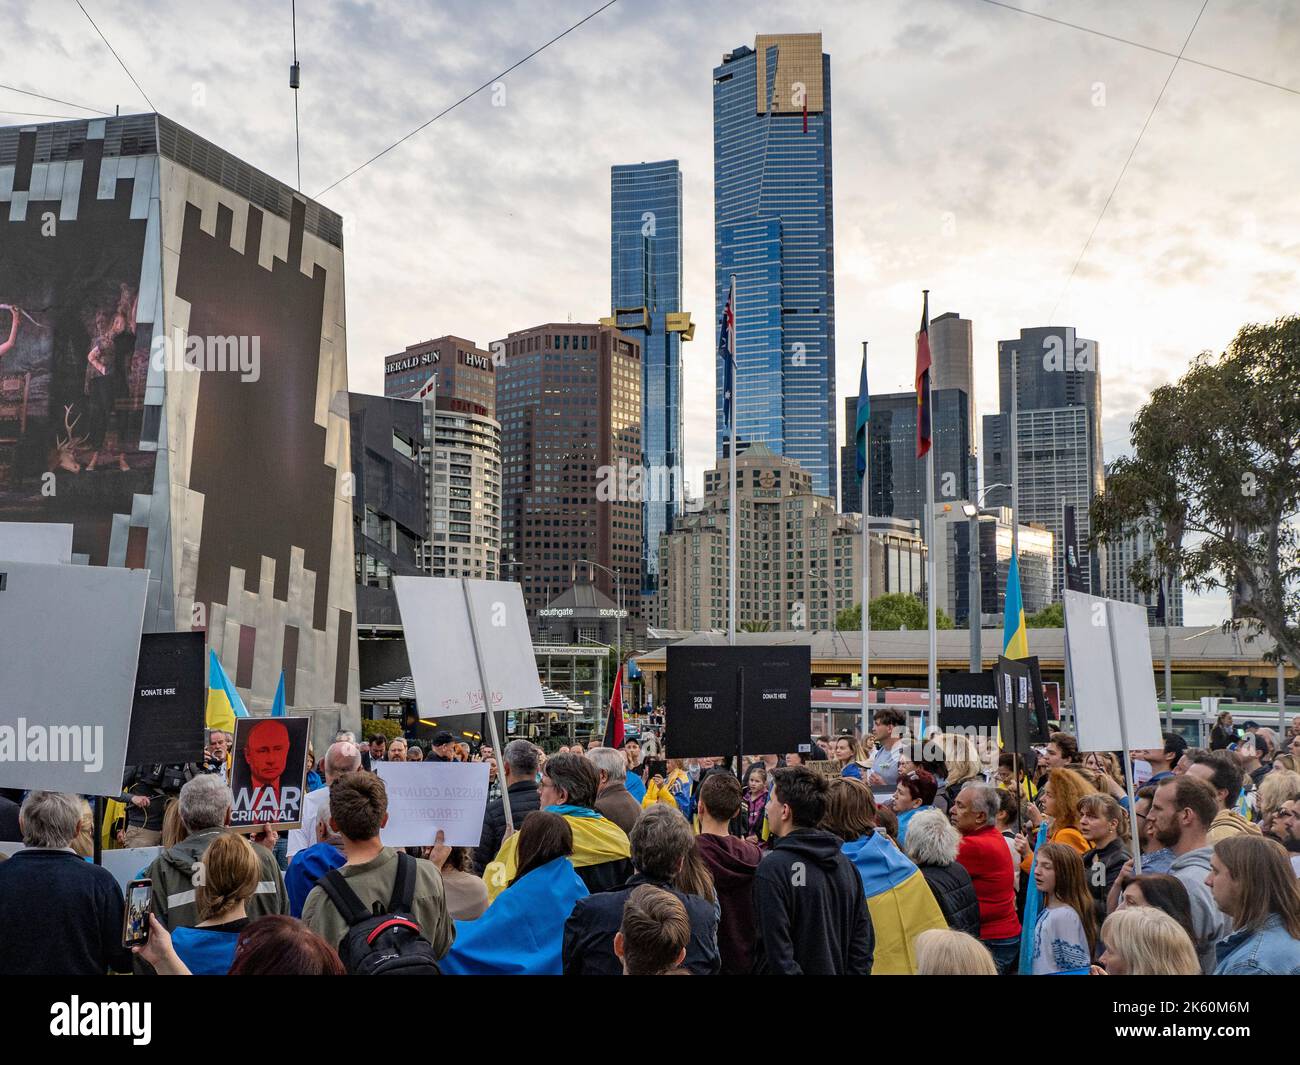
974 148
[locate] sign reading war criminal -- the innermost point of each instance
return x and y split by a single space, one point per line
268 773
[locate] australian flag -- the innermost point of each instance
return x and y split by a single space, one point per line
727 353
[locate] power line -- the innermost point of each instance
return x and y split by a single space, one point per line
117 57
466 97
50 99
1144 47
1124 170
38 114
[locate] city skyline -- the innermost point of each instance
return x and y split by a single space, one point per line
978 183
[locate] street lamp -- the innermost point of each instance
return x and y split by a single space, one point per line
975 612
618 589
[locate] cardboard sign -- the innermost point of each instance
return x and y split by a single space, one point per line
171 691
440 645
69 644
968 700
1104 669
268 772
707 686
424 797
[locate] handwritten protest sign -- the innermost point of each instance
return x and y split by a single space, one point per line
424 797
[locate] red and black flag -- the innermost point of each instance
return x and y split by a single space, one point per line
614 723
923 407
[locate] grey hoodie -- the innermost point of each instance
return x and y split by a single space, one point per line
1209 922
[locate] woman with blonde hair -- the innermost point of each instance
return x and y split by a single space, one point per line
943 952
173 830
1277 787
1145 941
962 760
231 870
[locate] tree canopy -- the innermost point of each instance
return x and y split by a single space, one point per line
893 611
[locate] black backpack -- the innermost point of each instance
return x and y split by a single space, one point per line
385 943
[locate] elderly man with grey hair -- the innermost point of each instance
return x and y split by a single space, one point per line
613 800
983 853
662 841
205 812
59 915
522 763
344 756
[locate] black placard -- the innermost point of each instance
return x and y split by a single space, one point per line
704 694
1014 702
968 700
171 690
1039 729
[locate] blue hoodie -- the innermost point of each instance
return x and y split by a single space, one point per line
305 869
205 951
522 932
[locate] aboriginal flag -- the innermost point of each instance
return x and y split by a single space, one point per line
923 408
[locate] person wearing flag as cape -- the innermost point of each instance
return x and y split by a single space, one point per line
601 855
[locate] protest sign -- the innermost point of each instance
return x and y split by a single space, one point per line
44 542
171 691
268 772
1113 674
424 797
722 698
441 645
129 863
968 700
1015 702
71 640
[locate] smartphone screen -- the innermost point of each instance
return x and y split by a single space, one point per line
135 924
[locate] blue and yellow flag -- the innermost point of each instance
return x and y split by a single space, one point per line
899 900
224 703
596 840
1015 641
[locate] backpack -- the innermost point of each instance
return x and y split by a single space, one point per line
384 943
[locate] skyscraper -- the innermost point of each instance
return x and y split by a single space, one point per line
952 350
896 476
645 270
569 403
774 229
1059 457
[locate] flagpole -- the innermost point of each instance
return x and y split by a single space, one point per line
731 476
866 562
1169 684
930 582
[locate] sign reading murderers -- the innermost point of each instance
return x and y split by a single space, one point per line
171 691
710 687
424 797
268 772
968 700
69 646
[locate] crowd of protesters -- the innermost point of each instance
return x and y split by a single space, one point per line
882 854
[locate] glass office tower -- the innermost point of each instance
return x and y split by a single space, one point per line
645 297
773 229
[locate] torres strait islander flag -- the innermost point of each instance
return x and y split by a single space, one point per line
923 381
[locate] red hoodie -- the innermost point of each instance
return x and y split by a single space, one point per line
732 861
984 855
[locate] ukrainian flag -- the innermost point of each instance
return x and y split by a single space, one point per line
900 902
224 703
1015 641
596 840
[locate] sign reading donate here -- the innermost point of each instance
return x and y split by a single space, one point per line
426 796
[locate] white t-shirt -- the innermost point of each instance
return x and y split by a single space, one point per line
314 806
1059 942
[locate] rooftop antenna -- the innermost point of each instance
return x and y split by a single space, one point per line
295 79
